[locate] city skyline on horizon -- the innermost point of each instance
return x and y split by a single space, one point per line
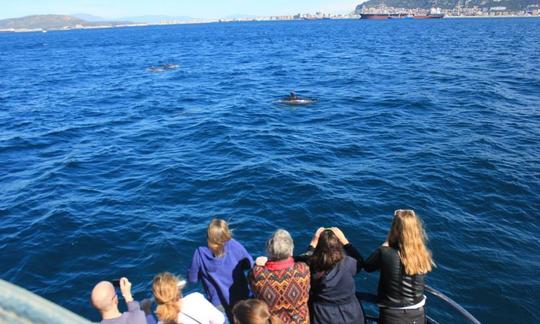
204 9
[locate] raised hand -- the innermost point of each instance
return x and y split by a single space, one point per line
261 261
315 238
341 237
125 288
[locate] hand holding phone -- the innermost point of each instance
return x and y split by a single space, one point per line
125 288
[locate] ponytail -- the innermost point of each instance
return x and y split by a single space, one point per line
167 295
168 312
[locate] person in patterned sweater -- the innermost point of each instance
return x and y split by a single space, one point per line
281 282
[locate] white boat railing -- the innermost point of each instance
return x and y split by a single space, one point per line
457 307
370 298
18 305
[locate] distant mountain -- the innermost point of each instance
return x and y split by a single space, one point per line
157 19
150 19
40 21
449 4
88 17
52 22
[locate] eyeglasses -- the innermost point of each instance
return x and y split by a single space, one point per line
404 212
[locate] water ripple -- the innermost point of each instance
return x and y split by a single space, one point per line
110 170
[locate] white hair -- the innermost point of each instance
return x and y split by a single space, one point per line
280 246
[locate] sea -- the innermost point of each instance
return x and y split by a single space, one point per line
113 168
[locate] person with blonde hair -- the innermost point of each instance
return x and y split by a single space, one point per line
221 266
403 261
173 308
253 311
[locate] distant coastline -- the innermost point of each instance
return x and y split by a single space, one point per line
85 25
489 17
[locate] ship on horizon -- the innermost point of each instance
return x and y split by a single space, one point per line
383 12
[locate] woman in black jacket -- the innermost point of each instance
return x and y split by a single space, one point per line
403 260
332 296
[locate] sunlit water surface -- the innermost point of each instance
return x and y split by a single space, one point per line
111 170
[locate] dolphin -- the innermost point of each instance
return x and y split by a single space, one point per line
163 67
293 99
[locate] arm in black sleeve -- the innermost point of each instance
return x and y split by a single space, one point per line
304 257
373 263
353 253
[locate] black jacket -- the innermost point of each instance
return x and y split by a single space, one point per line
333 293
396 289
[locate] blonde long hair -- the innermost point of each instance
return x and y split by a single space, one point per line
408 236
218 234
167 294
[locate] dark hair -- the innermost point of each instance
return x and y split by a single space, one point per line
328 252
253 311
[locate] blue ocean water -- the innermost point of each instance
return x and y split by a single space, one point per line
110 170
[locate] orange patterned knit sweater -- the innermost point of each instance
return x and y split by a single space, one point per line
284 286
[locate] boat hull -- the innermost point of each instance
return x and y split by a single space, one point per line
399 16
434 16
380 16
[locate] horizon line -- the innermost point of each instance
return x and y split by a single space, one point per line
337 12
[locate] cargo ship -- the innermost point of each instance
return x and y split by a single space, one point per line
382 16
382 13
429 16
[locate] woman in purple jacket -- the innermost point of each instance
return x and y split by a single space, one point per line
221 266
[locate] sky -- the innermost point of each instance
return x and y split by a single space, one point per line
210 9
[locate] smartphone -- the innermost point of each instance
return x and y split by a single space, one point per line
181 283
116 283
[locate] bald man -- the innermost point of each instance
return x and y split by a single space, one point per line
105 300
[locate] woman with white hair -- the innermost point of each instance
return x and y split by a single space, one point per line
281 282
